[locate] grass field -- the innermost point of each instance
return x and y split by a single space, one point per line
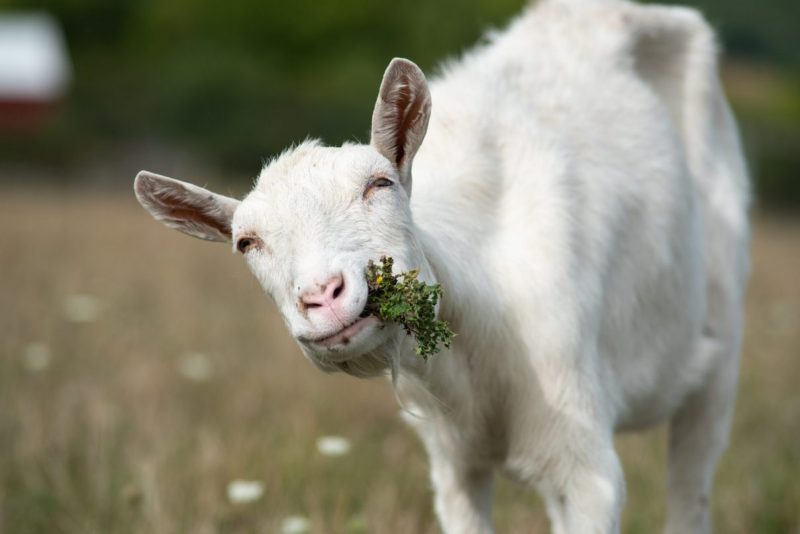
141 371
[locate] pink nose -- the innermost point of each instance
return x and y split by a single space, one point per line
325 296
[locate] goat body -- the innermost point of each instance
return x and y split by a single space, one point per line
581 197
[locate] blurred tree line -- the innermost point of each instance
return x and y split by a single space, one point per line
234 82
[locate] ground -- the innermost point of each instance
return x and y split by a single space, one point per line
141 371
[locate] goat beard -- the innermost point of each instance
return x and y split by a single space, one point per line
366 366
375 363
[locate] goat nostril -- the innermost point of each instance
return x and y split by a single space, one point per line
309 305
338 290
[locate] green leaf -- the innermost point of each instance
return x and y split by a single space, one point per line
405 300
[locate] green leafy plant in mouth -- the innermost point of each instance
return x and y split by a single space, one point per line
405 300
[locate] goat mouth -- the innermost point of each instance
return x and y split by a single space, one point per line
345 335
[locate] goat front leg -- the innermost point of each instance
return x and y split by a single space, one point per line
587 496
462 483
463 496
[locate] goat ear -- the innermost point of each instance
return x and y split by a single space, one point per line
186 207
401 114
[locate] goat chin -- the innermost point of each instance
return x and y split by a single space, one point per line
387 358
369 365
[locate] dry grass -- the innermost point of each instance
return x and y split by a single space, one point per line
110 437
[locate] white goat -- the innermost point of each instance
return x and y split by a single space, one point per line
582 198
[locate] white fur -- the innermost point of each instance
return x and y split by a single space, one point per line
582 198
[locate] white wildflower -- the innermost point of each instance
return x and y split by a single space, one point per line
333 445
195 366
295 524
245 491
36 357
81 308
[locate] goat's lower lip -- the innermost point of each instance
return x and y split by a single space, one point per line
343 336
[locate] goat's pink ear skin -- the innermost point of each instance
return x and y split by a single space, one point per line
185 207
401 115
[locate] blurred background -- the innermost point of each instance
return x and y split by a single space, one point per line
146 384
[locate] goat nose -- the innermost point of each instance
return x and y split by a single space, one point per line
326 294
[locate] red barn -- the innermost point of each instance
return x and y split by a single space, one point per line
34 70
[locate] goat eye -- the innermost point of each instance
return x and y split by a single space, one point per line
244 244
377 182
